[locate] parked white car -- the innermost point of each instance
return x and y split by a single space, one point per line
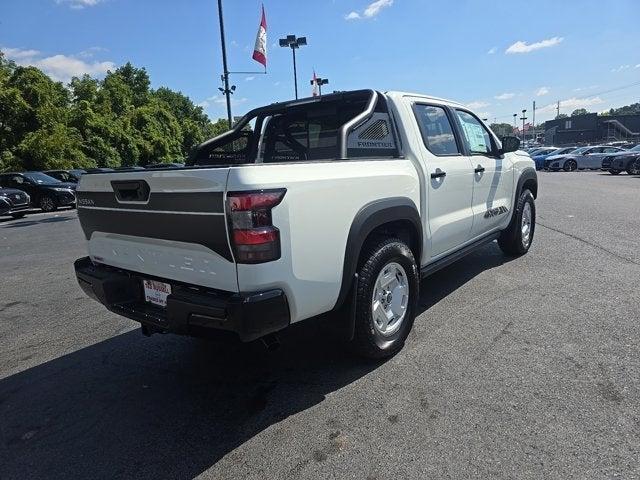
335 203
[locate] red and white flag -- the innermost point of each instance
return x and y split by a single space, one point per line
260 49
314 91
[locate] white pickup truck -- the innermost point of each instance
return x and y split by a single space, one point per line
339 203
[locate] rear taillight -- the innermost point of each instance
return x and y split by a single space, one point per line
253 236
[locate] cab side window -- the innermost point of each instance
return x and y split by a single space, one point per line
476 136
436 130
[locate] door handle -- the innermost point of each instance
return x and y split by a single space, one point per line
479 169
439 174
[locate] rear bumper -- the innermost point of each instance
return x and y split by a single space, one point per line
191 310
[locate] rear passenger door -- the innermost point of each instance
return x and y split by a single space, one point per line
492 175
449 179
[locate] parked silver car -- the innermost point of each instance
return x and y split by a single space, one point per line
580 158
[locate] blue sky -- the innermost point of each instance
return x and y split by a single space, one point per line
497 56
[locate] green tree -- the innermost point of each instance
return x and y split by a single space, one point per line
115 121
579 111
55 146
561 115
159 136
502 129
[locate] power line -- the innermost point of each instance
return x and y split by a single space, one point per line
558 104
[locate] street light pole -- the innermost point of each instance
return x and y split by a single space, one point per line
294 43
225 75
295 72
319 83
523 118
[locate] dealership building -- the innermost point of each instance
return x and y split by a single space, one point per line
592 128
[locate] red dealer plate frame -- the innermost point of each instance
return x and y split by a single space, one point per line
155 292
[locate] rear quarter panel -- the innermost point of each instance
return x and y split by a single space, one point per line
314 218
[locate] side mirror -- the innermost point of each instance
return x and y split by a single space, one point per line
510 143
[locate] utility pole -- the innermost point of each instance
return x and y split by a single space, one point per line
523 118
558 109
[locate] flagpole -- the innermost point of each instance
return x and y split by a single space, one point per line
225 75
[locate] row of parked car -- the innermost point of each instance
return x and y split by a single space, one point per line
609 158
48 190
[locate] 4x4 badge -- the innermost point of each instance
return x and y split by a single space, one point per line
493 212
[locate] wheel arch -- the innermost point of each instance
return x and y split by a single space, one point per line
528 180
396 215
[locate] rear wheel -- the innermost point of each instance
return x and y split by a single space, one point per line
570 166
48 204
386 298
517 238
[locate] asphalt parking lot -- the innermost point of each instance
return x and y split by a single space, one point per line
516 368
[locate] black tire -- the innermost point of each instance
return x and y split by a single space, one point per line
18 215
614 172
633 168
570 166
378 254
48 203
511 240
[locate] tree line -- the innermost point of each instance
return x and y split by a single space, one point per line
116 121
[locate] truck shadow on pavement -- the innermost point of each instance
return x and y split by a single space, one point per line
172 407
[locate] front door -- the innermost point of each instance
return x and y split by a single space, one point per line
449 178
492 175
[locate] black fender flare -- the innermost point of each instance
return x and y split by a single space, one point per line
368 218
529 173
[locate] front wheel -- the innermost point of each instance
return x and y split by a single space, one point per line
633 168
570 166
386 298
517 238
48 204
18 215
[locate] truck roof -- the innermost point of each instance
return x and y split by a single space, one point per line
400 94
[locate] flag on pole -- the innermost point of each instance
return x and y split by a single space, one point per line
314 91
260 49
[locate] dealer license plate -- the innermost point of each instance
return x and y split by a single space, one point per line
156 292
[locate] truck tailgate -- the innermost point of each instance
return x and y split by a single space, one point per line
168 223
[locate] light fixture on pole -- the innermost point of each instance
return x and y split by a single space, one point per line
515 116
294 43
319 82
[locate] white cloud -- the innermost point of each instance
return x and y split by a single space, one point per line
524 47
542 91
620 68
492 50
371 10
79 4
572 103
477 104
59 67
582 89
248 79
505 96
637 66
374 8
218 101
